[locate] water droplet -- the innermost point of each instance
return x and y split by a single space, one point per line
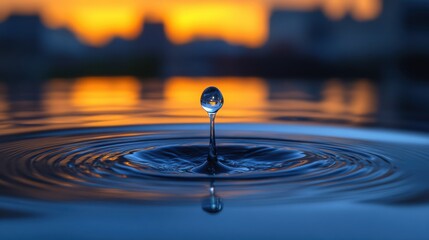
211 100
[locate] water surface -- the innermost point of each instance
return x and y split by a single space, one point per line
118 158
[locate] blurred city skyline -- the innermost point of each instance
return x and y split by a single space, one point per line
96 23
275 39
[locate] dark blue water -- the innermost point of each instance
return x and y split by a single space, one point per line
104 178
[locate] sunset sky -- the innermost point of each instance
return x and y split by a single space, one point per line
241 22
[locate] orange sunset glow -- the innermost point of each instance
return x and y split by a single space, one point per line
237 22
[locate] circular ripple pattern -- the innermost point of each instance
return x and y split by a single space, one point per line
159 165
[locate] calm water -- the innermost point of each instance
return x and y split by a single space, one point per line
109 158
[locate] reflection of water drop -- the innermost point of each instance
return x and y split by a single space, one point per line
213 204
211 100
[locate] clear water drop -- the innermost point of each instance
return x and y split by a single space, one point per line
211 100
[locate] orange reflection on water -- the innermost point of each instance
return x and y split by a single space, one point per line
106 93
4 103
56 97
245 97
119 101
363 98
242 22
92 101
64 96
356 102
334 97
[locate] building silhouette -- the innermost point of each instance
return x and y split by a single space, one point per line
297 41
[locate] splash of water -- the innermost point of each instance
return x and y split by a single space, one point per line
212 101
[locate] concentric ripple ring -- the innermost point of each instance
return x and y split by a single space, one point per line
154 164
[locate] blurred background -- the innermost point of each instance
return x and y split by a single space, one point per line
118 62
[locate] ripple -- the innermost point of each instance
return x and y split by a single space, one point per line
257 158
152 163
